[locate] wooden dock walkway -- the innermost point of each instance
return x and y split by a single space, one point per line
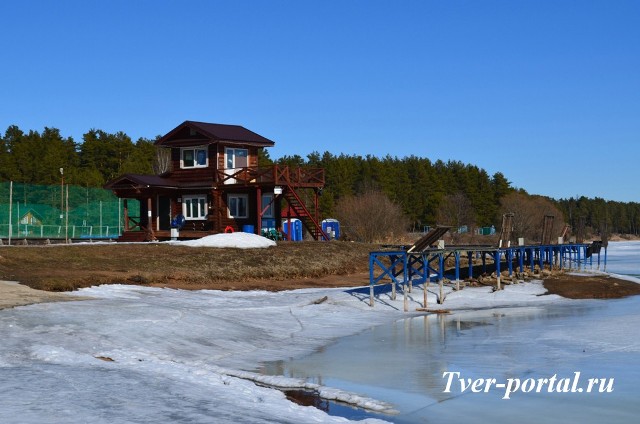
423 264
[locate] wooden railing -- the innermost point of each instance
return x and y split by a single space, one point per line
135 220
276 174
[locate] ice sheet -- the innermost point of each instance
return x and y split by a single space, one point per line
137 354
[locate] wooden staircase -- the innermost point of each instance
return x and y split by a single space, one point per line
302 212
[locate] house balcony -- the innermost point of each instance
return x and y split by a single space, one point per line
272 176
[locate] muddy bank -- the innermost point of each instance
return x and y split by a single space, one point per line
590 286
14 294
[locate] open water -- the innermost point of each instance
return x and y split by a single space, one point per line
404 362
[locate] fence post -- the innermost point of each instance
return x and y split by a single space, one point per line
10 209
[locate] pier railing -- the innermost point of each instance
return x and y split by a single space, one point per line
402 268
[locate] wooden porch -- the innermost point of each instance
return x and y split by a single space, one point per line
300 188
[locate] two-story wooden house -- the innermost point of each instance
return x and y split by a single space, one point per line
211 183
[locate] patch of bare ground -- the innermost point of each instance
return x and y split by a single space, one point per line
14 294
285 266
592 286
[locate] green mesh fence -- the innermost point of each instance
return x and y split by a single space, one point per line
40 211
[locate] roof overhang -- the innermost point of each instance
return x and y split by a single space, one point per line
136 185
136 181
192 133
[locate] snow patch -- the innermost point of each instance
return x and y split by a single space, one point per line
229 240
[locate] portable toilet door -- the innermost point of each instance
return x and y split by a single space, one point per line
332 228
296 228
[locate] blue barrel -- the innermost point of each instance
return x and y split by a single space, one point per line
296 229
248 229
332 228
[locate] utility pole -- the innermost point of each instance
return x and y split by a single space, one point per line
61 195
10 209
64 222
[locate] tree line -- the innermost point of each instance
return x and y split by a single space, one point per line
36 157
427 192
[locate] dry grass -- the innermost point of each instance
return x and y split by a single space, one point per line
65 268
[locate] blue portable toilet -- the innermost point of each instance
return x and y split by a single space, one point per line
332 228
296 228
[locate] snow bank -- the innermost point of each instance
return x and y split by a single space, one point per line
230 240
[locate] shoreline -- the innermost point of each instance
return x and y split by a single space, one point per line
14 294
569 286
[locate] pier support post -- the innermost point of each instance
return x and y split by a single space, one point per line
426 286
371 296
521 261
371 280
579 258
457 271
570 258
531 259
497 260
406 299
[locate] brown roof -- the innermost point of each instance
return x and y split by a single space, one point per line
235 134
137 180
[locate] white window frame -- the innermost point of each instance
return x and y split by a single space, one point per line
230 154
234 213
201 203
195 150
267 198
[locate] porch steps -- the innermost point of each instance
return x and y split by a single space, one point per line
132 237
302 213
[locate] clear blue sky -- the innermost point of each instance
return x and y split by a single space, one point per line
547 92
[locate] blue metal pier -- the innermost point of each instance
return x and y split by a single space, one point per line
400 267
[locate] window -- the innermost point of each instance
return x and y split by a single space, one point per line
237 158
267 205
194 157
238 205
194 207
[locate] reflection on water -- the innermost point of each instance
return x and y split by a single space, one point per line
311 398
403 363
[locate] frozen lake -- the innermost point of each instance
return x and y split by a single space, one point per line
404 362
146 355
